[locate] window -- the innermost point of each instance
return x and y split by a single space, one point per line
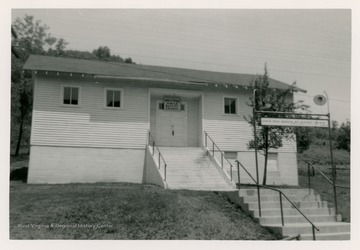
113 98
71 96
230 105
231 155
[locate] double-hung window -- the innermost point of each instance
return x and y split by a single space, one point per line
230 105
71 96
113 98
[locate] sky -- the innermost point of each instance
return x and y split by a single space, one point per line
311 47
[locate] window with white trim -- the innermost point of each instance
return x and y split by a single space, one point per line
230 105
71 96
113 98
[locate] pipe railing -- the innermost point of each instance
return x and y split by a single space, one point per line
212 149
151 143
313 168
292 237
281 195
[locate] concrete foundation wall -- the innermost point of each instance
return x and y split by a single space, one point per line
70 164
152 174
285 175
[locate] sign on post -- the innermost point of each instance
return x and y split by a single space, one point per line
294 122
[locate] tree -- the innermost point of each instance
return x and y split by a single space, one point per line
102 53
31 37
79 54
59 48
334 130
304 137
271 137
344 136
128 60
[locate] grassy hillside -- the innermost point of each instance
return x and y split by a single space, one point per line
125 211
319 155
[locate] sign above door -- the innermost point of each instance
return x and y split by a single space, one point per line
172 103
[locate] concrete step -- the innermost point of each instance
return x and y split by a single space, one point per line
207 169
203 173
201 187
286 191
196 183
293 211
300 205
307 201
191 168
276 198
306 228
269 220
326 236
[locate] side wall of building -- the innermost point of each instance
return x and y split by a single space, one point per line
90 142
90 124
233 132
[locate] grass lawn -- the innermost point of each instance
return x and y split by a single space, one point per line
319 155
125 211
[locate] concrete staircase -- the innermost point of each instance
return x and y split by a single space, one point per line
190 168
294 223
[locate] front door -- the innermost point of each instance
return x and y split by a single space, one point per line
171 126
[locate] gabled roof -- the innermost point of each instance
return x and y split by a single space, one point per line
134 71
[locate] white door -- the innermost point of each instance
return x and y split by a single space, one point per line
171 126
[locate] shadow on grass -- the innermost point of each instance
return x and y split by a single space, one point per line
19 174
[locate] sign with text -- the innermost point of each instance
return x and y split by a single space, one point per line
294 122
172 103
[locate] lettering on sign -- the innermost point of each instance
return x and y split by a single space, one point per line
294 122
172 103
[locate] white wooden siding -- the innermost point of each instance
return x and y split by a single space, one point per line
214 106
90 125
200 121
192 120
153 116
232 132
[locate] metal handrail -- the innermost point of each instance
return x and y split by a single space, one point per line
328 180
245 171
322 173
222 154
281 192
153 144
280 197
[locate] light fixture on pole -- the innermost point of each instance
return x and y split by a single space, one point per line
319 100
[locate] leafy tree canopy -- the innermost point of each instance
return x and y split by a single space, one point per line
344 136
